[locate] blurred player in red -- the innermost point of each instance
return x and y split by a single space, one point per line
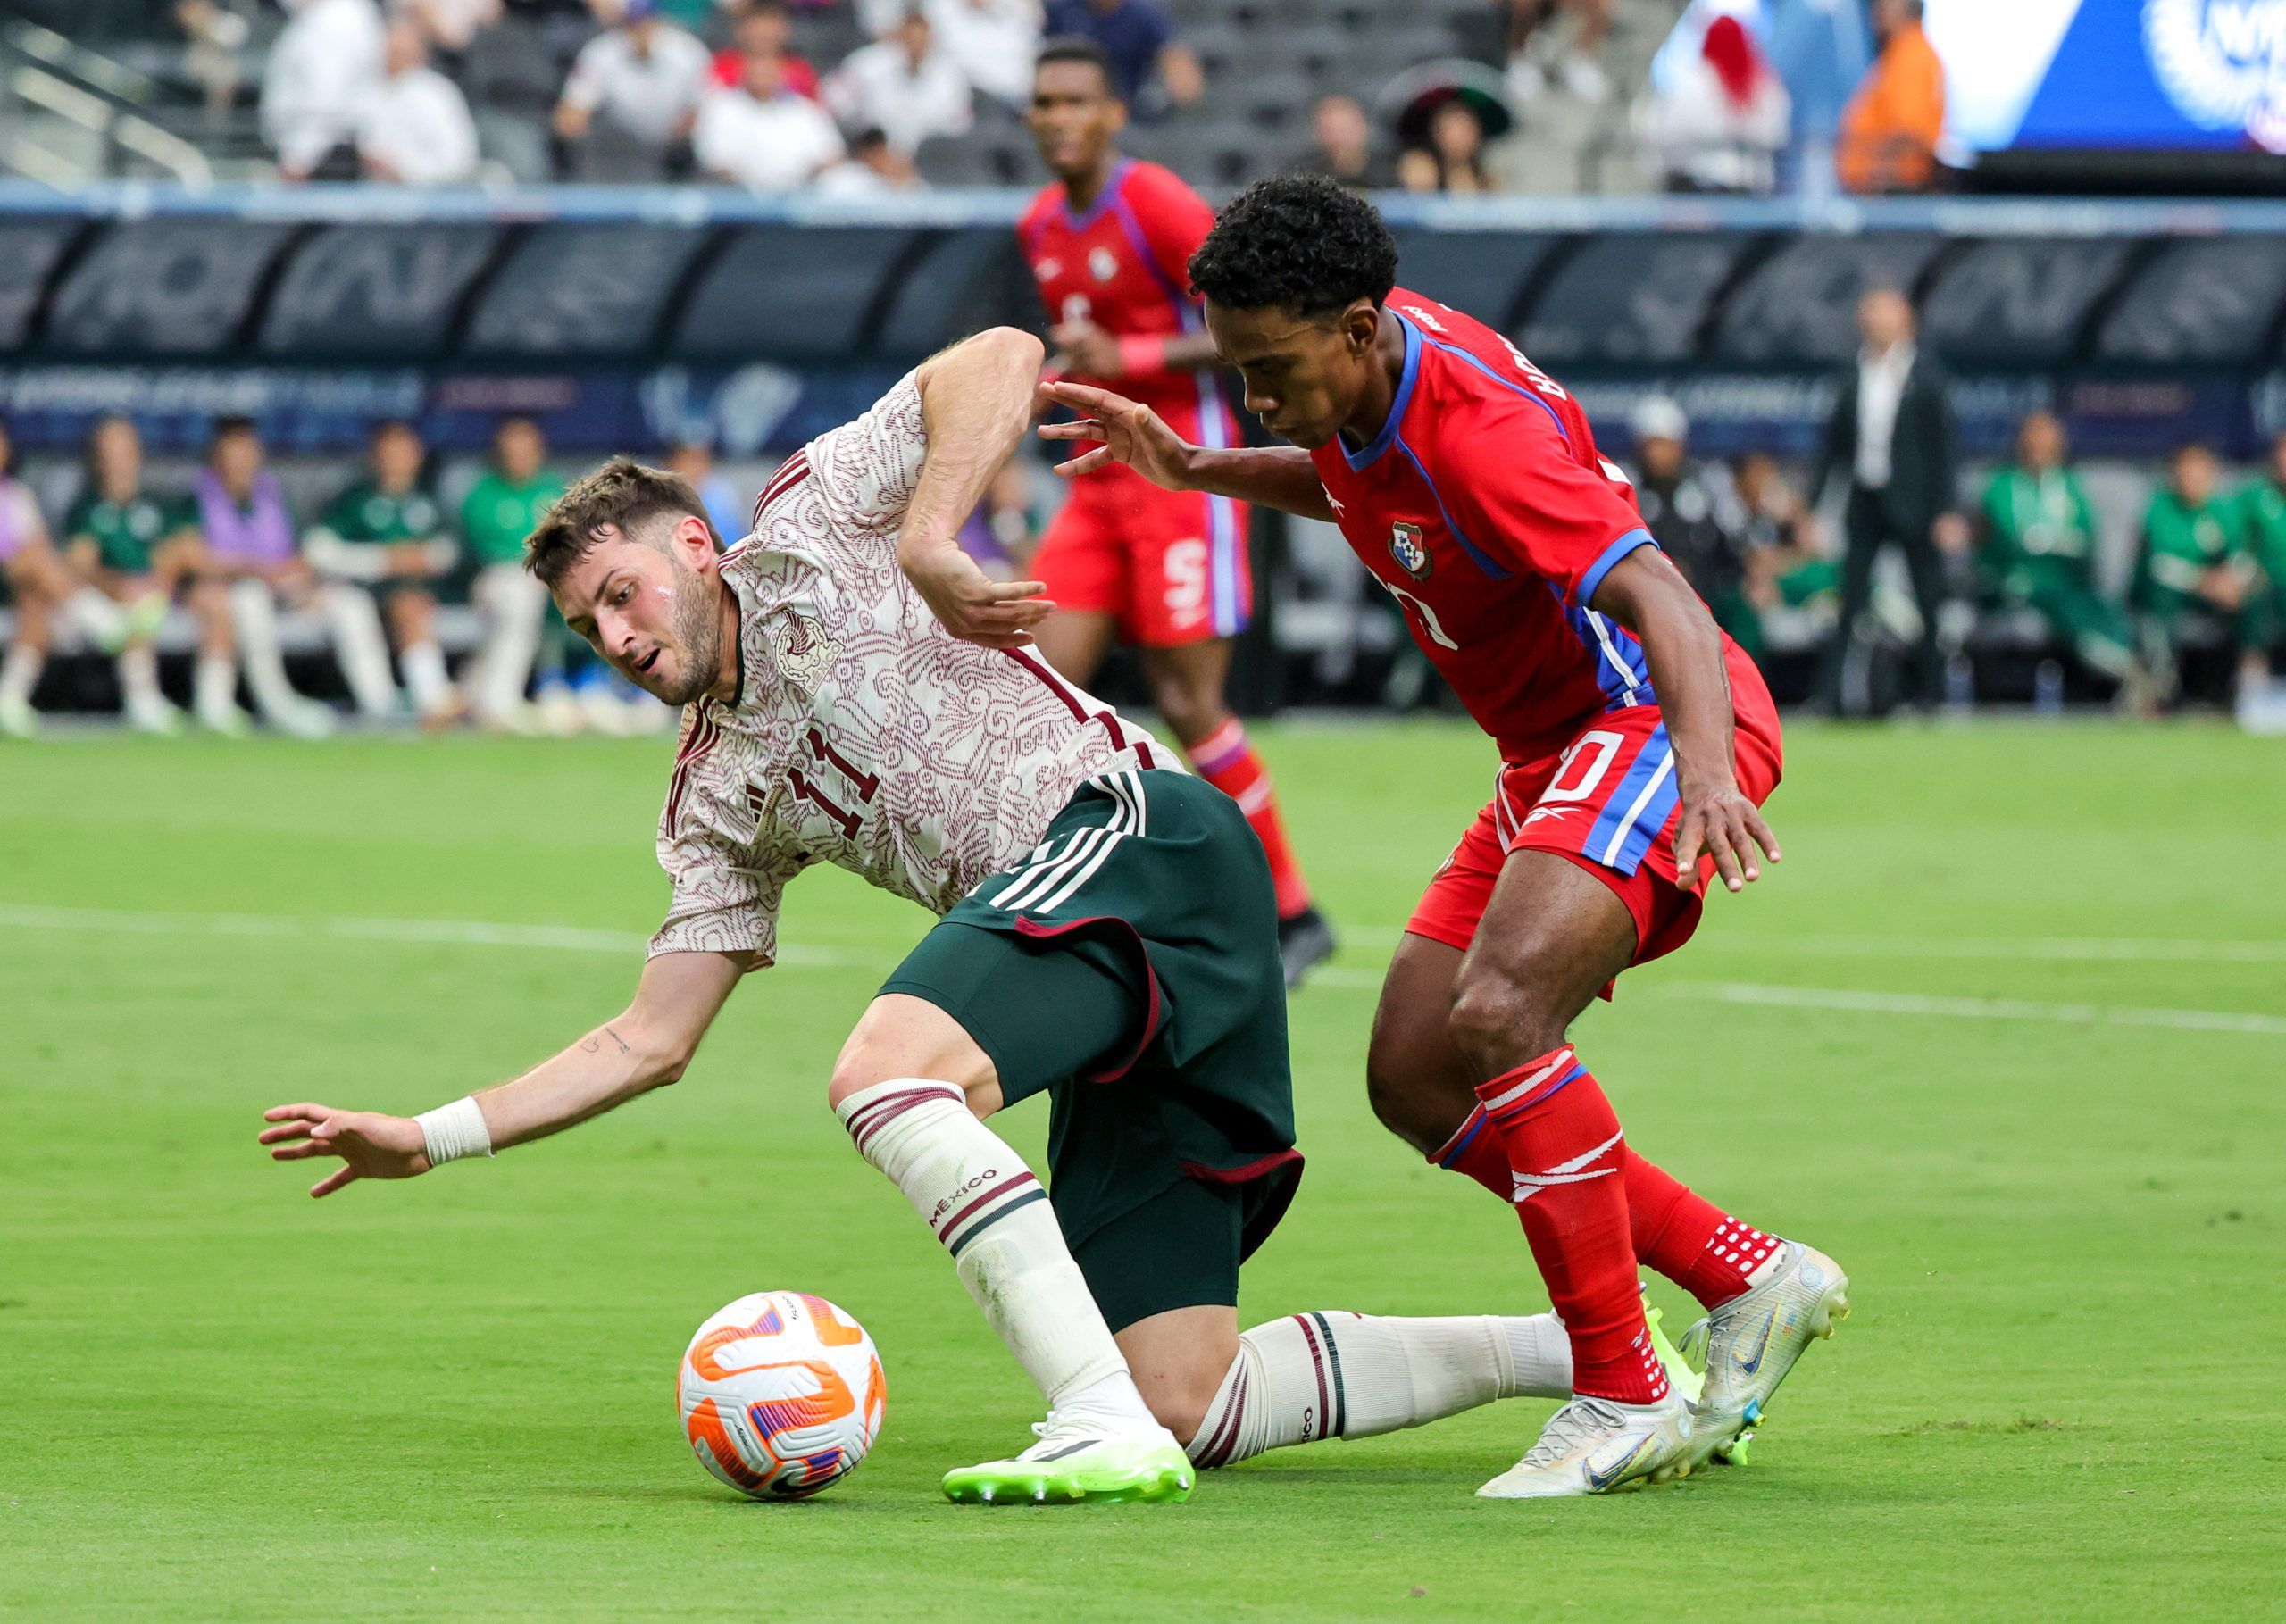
1108 244
1637 745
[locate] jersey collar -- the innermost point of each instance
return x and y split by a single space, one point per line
1387 437
1080 222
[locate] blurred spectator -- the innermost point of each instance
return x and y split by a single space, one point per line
992 42
694 460
764 28
414 127
214 59
137 551
384 538
2262 527
1532 43
1893 431
249 534
1889 134
1141 44
1719 121
41 586
1786 567
501 509
2037 552
904 85
1342 147
763 136
314 80
2196 580
1693 513
873 169
452 25
1451 160
643 78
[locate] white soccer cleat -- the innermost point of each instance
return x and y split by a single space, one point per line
301 719
154 716
1076 1460
18 719
1595 1446
1752 1341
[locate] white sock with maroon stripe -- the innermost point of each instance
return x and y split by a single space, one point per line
984 1204
1354 1376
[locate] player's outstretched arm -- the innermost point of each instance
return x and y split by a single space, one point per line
649 1046
1122 430
1647 595
976 399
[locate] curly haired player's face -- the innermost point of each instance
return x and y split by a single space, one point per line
1305 375
1074 118
651 607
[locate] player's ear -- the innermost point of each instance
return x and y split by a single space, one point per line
695 538
1361 324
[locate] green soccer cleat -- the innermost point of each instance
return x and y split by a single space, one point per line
1681 1374
1072 1463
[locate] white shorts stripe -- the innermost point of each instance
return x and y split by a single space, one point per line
1627 824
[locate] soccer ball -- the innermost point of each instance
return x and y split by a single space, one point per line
782 1395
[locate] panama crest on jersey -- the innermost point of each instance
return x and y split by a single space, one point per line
1411 552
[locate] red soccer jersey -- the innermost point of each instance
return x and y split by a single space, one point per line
1483 508
1125 265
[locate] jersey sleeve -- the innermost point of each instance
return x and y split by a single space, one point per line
867 470
1175 221
1504 471
722 902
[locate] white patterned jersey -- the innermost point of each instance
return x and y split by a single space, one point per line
864 733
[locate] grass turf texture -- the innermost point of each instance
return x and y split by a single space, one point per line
2058 1395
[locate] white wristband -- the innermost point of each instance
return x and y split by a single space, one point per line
456 1131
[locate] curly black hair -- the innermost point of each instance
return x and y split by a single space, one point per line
1296 242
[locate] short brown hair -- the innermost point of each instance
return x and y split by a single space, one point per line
622 495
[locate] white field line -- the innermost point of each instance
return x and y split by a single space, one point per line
451 932
2064 949
1976 1009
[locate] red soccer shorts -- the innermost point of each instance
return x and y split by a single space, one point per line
1168 566
1608 802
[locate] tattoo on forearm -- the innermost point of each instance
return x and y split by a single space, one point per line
593 1043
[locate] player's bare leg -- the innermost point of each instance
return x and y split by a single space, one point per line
912 1087
1075 641
27 655
1187 684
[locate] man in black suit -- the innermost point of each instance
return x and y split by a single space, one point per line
1892 431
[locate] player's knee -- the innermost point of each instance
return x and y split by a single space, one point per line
1179 1399
1190 711
1392 1090
1499 1019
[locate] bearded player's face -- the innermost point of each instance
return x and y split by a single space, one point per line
1303 374
645 607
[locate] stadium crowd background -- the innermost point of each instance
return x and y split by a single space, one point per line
373 573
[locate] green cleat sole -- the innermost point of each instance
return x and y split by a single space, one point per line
1156 1485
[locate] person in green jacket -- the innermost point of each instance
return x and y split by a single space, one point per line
2195 570
138 548
2262 527
384 538
501 510
2038 551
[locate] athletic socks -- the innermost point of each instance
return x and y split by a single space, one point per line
982 1202
1674 1231
1356 1375
20 674
1564 1152
425 677
361 648
214 691
1226 758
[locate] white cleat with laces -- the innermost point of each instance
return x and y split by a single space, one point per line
1597 1446
1752 1341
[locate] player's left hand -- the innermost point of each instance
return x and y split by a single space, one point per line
1719 822
1085 348
973 606
371 1146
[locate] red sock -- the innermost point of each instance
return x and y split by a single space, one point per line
1678 1234
1564 1149
1686 1237
1226 758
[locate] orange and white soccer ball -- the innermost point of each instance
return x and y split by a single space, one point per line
782 1395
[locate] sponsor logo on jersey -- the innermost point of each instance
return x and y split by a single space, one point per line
1103 263
1411 552
1423 317
1049 270
1538 812
804 653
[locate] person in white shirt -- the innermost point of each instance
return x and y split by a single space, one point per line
1719 123
762 136
993 42
414 126
873 169
643 76
904 85
316 79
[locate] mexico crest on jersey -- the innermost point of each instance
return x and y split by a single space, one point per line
1411 552
804 653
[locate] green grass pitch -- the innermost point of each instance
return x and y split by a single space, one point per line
2006 1033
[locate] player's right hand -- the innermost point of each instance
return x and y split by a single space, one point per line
371 1146
1124 431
